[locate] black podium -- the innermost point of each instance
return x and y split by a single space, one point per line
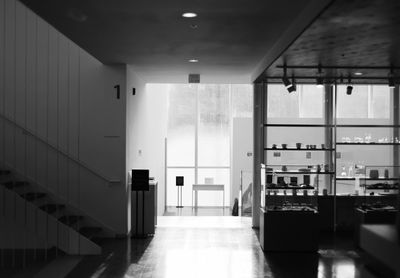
179 185
143 210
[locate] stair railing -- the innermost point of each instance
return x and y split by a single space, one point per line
60 151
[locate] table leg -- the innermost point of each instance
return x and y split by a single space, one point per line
195 198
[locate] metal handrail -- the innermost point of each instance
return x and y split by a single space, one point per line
80 163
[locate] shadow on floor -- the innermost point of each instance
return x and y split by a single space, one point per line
117 256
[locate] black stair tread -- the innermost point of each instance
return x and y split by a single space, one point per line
30 196
5 172
90 232
70 219
51 208
13 184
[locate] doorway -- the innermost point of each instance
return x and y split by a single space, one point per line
199 147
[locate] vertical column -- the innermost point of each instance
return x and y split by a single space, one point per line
258 152
396 153
329 156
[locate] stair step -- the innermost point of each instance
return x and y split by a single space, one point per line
90 232
52 208
31 196
5 172
15 184
70 219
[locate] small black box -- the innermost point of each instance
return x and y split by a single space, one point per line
179 180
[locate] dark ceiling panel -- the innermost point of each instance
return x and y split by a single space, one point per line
232 35
350 33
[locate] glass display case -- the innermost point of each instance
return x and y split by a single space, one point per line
380 187
293 187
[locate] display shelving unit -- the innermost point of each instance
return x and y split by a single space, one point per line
333 145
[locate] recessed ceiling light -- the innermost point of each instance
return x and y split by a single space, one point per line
189 15
358 73
193 60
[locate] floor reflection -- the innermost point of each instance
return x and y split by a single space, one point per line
181 249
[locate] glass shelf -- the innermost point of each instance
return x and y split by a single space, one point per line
298 125
298 150
367 144
365 178
277 172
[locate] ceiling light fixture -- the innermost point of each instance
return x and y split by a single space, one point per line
349 88
391 82
189 15
193 61
358 73
320 79
290 86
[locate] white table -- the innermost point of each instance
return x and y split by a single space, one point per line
207 187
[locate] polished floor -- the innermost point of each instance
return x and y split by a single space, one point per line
200 211
219 247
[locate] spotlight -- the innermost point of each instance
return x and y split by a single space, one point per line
293 87
320 82
391 82
320 79
286 81
349 89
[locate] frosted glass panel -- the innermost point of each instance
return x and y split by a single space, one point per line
181 125
214 198
242 100
281 104
214 123
380 102
311 101
354 105
172 195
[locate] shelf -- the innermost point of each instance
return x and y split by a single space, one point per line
290 187
370 126
379 188
300 173
298 150
298 125
367 144
365 178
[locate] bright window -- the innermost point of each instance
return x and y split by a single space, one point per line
199 135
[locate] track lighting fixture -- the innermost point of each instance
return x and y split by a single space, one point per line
286 81
320 79
391 80
290 86
349 88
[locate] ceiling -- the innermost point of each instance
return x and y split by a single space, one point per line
352 33
231 37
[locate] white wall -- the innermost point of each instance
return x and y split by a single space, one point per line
59 92
147 113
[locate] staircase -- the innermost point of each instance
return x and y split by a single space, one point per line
60 225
